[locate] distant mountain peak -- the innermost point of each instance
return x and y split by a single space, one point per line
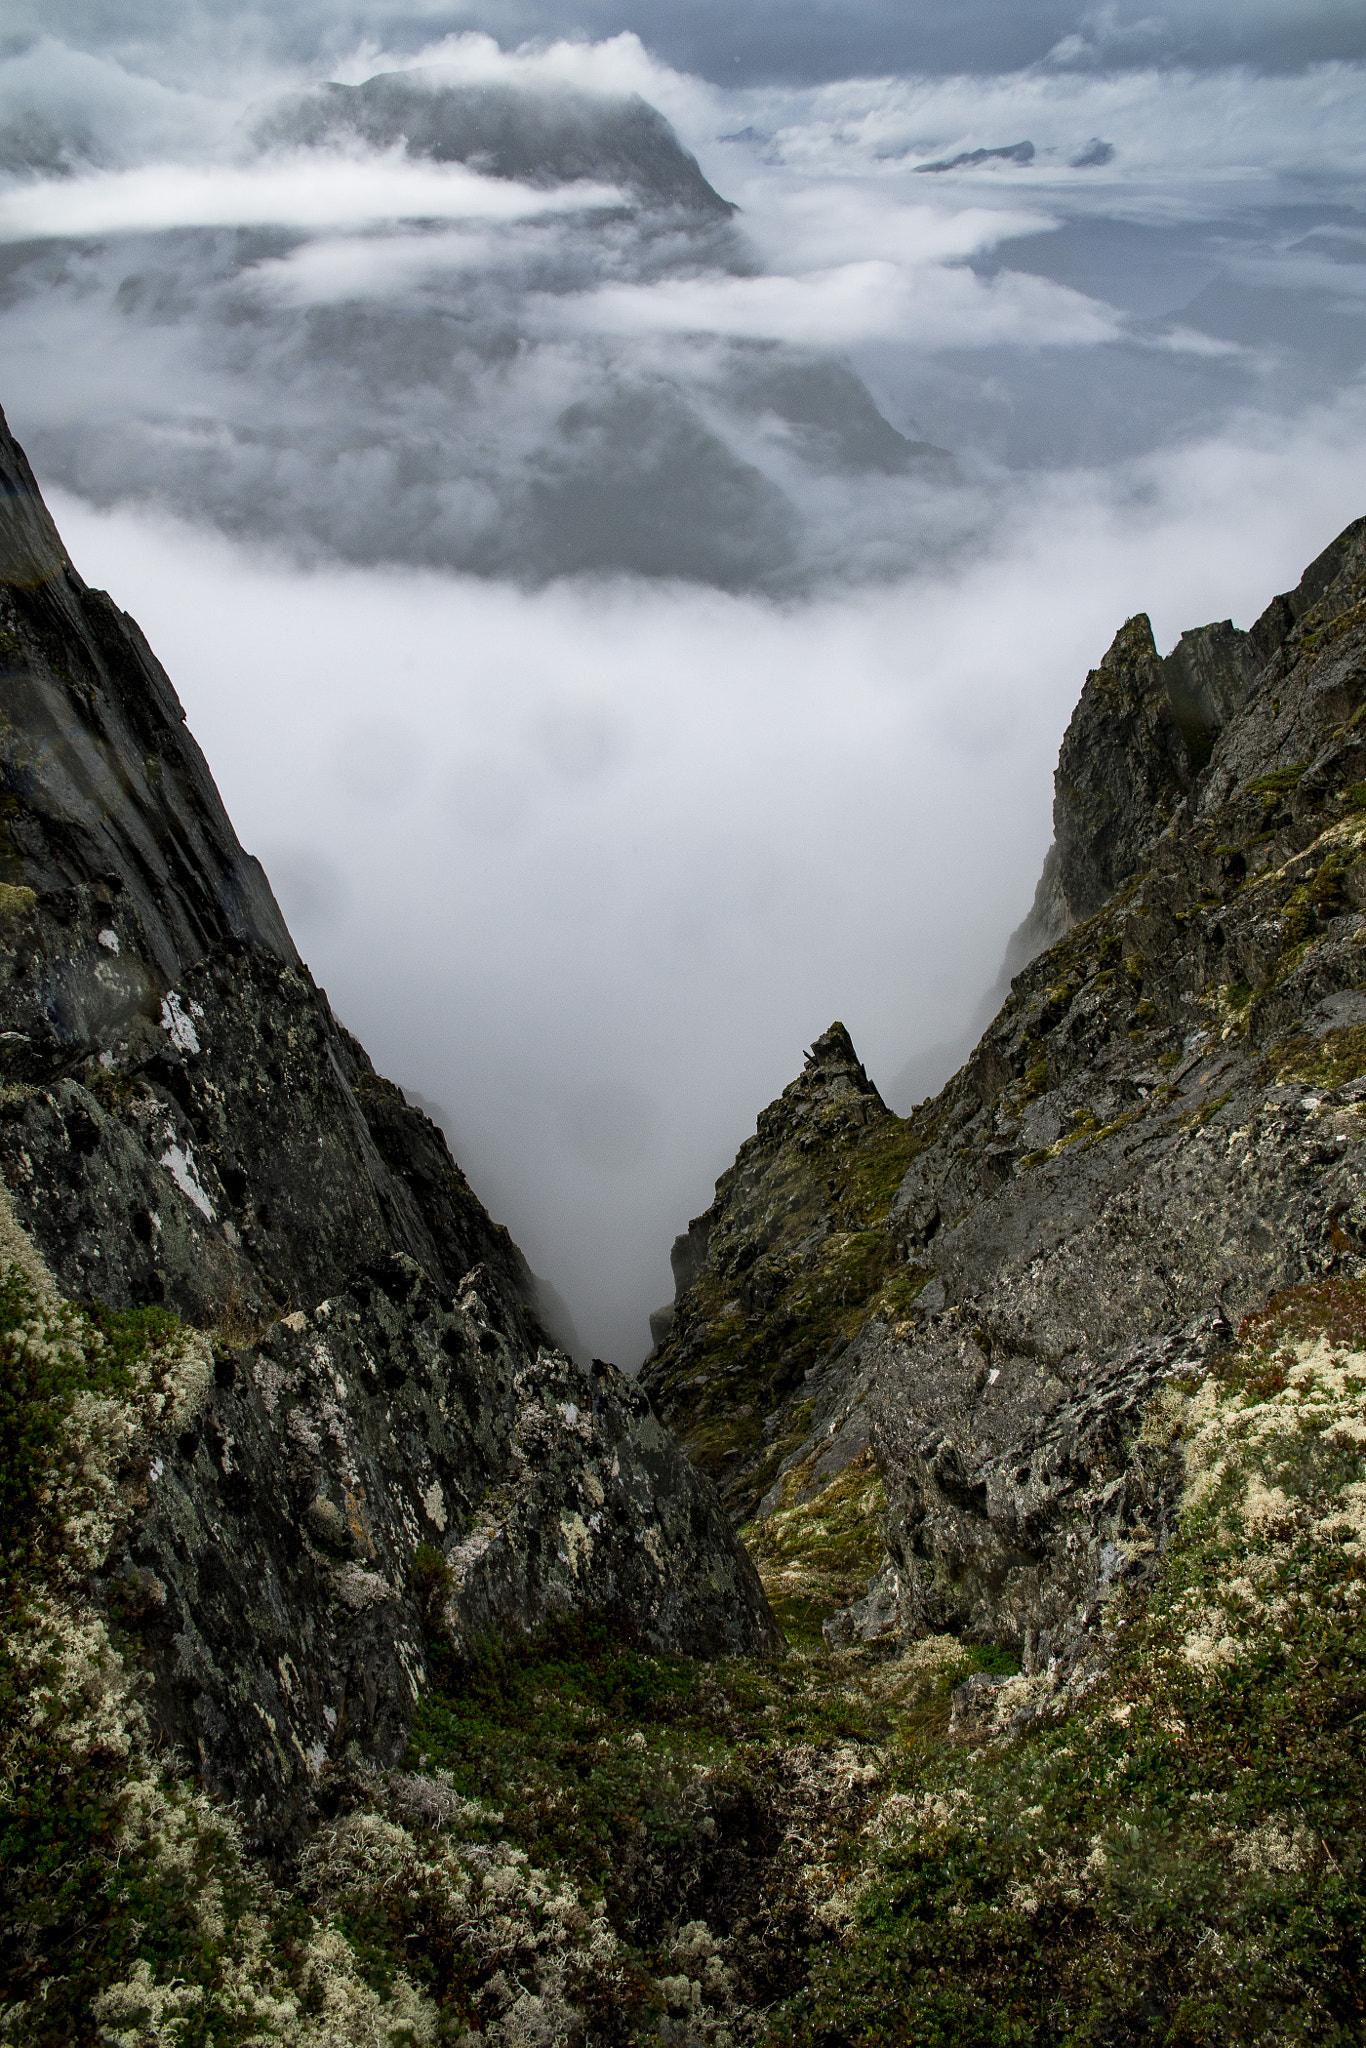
538 134
1008 152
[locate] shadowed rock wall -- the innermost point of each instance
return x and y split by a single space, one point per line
183 1122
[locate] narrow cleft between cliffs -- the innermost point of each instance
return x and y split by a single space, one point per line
955 1633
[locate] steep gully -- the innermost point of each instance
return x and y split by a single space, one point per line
916 1356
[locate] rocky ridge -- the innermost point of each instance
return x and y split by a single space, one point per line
928 1344
185 1129
553 137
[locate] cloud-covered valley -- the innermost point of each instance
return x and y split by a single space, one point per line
485 312
629 545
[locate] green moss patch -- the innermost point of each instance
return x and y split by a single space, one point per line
1087 1131
583 1750
821 1553
1279 780
1332 1309
15 900
873 1169
111 1088
1195 1119
1328 1062
896 1298
518 1729
745 1365
1318 642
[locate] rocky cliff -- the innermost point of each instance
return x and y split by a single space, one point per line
929 1343
1044 1410
185 1128
1142 731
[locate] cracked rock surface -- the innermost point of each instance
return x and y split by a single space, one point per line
184 1123
969 1311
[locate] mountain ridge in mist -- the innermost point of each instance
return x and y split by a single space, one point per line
442 392
541 135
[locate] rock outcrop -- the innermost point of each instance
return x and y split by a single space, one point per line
766 1275
1162 1128
550 137
389 1436
1143 730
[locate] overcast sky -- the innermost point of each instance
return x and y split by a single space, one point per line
801 41
635 631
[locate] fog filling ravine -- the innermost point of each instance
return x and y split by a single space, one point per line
629 513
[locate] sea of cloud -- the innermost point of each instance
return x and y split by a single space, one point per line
615 686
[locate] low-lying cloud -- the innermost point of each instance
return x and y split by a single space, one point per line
313 329
305 192
869 301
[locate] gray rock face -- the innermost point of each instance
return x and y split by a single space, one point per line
1124 760
551 137
1140 731
1031 1499
767 1274
1010 152
1207 674
1165 1124
1143 729
272 1572
183 1122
